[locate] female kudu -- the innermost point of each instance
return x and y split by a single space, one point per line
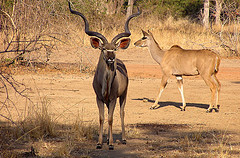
181 62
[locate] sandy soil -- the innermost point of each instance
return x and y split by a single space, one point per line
151 133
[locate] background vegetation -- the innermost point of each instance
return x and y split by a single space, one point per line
33 29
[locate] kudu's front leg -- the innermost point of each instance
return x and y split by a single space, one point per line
101 121
162 86
122 101
111 108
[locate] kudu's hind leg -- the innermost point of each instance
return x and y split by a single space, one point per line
101 121
180 88
213 87
218 84
111 108
122 101
162 86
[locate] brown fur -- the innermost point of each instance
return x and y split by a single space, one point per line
110 80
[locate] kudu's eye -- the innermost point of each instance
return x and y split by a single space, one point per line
144 38
104 50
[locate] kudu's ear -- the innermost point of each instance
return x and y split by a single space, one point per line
123 43
96 43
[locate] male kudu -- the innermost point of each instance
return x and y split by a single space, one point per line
110 80
181 62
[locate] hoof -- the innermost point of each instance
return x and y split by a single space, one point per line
99 146
154 107
111 147
209 110
182 109
107 141
145 100
124 142
216 110
218 106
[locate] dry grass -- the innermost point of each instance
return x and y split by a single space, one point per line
166 140
190 35
179 140
39 133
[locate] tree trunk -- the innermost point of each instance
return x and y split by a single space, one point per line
130 8
206 14
218 12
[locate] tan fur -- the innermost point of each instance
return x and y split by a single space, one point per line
182 62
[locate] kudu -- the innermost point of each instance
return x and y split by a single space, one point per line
111 79
180 62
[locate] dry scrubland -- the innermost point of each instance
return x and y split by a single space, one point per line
58 117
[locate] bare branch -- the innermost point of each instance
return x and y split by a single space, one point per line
9 18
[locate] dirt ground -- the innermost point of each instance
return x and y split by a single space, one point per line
164 132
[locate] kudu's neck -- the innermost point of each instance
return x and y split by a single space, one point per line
105 75
103 65
155 50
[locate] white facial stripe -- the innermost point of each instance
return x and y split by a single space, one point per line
109 50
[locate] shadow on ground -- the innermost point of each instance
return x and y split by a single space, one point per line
66 142
180 140
236 82
175 104
146 140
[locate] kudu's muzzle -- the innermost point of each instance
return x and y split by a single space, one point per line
110 59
